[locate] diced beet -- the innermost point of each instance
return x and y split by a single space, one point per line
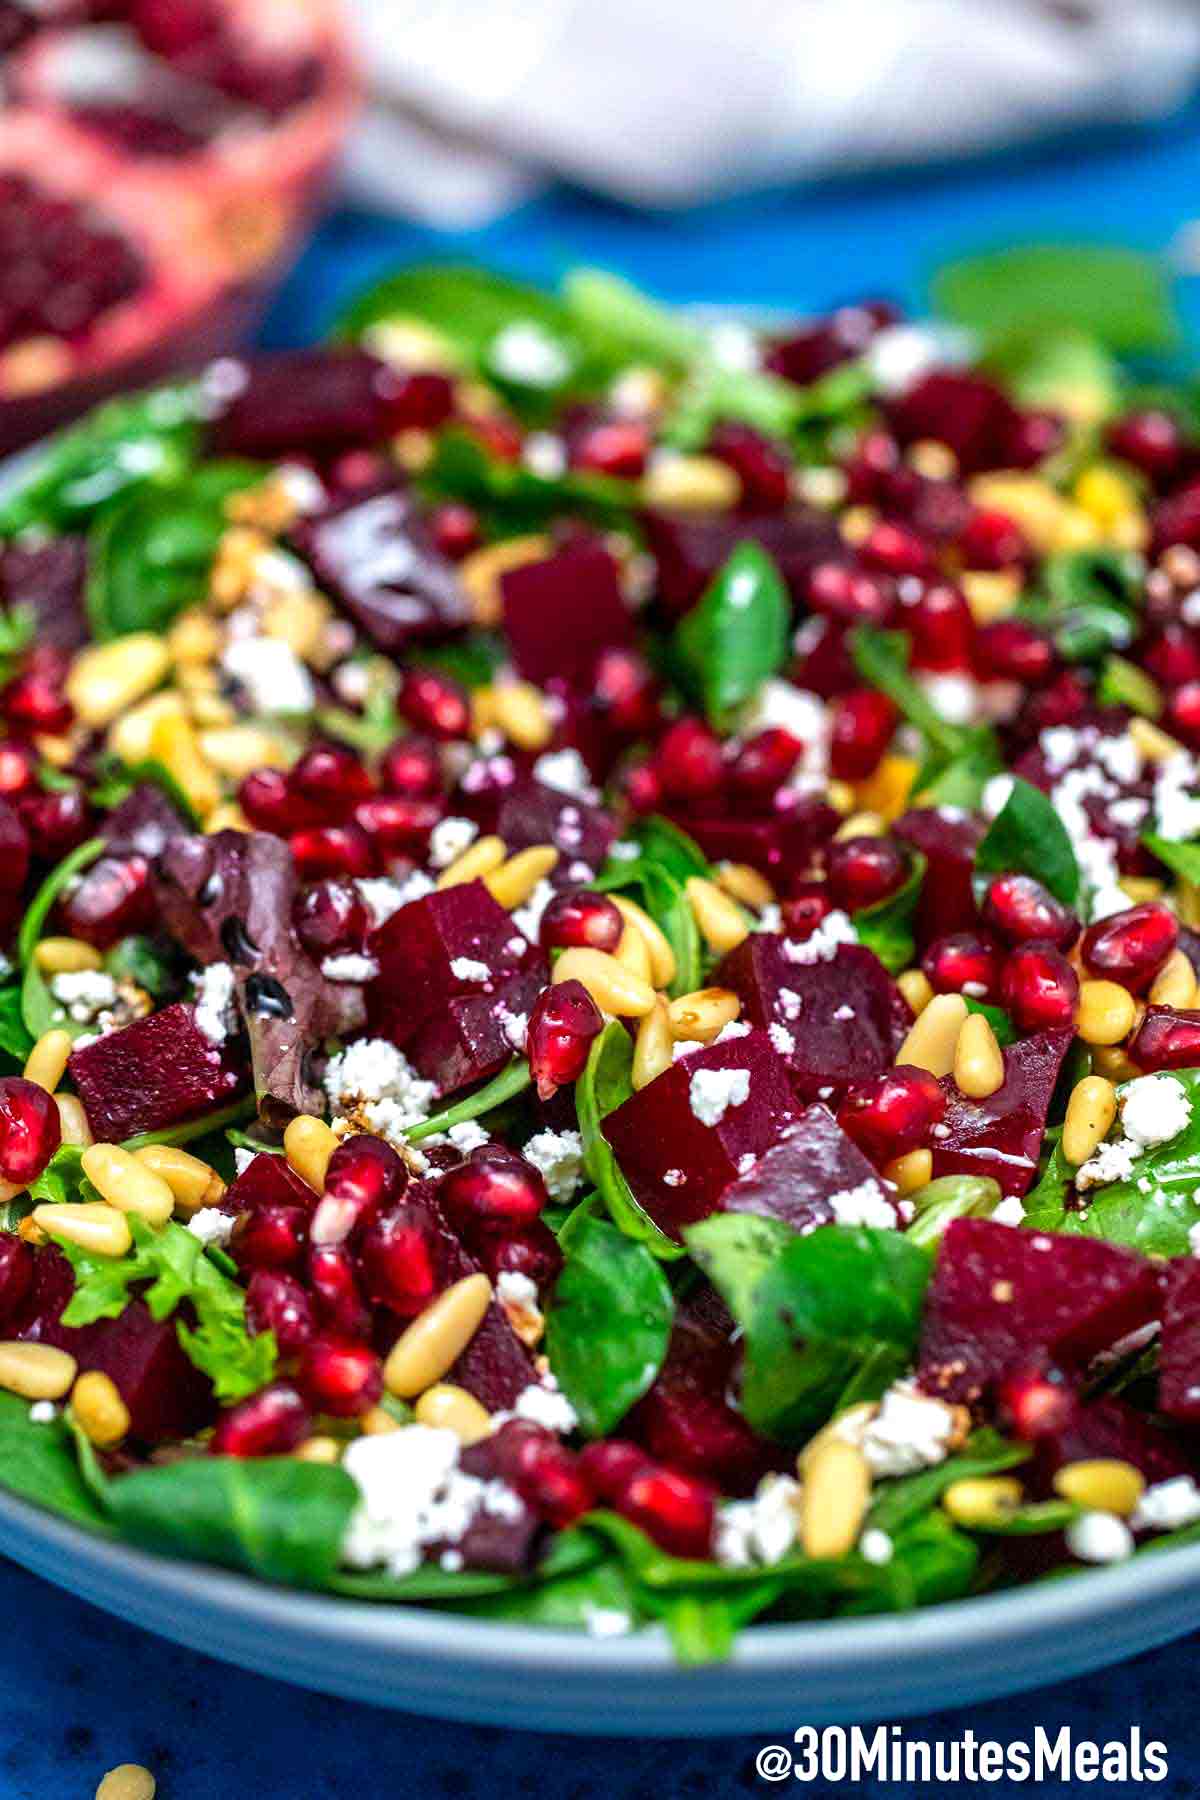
795 1180
948 841
690 548
1179 1348
678 1166
48 576
267 1180
779 845
970 413
1002 1135
1001 1295
532 813
1108 1428
562 612
845 1017
467 1040
156 1072
374 558
504 1542
327 399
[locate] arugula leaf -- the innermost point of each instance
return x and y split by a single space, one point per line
1118 297
174 1263
736 636
1028 837
608 1325
39 1009
510 1082
950 1197
886 927
1182 859
38 1463
605 1083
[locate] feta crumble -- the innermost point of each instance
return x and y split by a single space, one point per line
908 1431
469 968
349 968
566 772
376 1081
543 1403
782 1038
43 1412
274 678
558 1158
833 931
216 1014
1154 1109
211 1225
712 1092
382 897
1167 1505
449 838
412 1495
762 1529
866 1204
1110 1162
1099 1537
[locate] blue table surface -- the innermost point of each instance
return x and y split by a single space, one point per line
82 1691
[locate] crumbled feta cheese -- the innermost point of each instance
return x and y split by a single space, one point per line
449 838
515 1027
469 968
782 1038
544 1404
625 850
242 1158
1176 804
996 795
349 968
713 1091
866 1204
211 1225
374 1079
558 1158
898 356
790 1003
528 918
514 1289
1110 1162
85 994
566 772
908 1432
803 715
1154 1109
545 454
760 1530
1194 1239
525 352
606 1622
1011 1211
411 1495
842 1013
955 697
876 1547
274 678
43 1412
1167 1505
382 897
834 930
1099 1537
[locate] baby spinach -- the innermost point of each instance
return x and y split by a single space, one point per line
37 1462
1055 367
658 876
1122 683
736 636
950 1197
1089 601
897 1503
16 1040
511 1081
886 927
1182 859
39 1009
631 327
1119 297
608 1325
515 497
187 1130
1028 837
959 759
605 1083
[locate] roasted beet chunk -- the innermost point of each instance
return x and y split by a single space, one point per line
326 399
947 840
779 846
690 548
1179 1352
473 1037
1002 1135
833 1020
561 613
156 1072
796 1180
530 813
49 579
1000 1296
685 1137
267 1180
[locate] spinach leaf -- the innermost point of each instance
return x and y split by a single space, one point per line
959 759
1155 1220
1061 369
116 780
605 1083
950 1197
736 636
1123 683
151 556
514 497
630 326
886 927
1028 837
897 1503
608 1325
1182 859
1090 601
189 1129
16 1040
510 1082
39 1009
958 777
38 1463
1118 297
668 857
735 1250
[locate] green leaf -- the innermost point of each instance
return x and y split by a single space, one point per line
1115 296
16 1040
116 780
274 1517
1154 1219
61 1181
668 857
630 326
608 1325
513 497
1028 837
1182 859
510 1082
950 1197
1060 369
898 1503
37 1462
736 636
189 1129
959 759
39 1009
959 776
1090 601
151 963
735 1250
605 1083
1123 683
886 927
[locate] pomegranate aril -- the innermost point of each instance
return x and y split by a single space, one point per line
34 703
18 769
675 1511
332 850
270 1237
1130 947
397 1259
841 592
57 822
893 1113
277 1303
991 540
364 1176
1031 438
455 529
269 801
643 789
689 762
1181 714
614 447
532 1251
331 918
1038 987
16 1273
1021 909
30 1129
397 825
411 766
581 920
941 628
1151 440
1035 1403
270 1423
332 779
763 467
625 691
764 762
860 731
562 1025
342 1379
330 1277
113 899
806 906
1167 1038
609 1467
494 1190
65 264
1173 657
963 962
890 548
864 870
434 703
1012 650
548 1478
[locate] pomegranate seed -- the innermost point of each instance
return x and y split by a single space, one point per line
270 1237
581 920
610 1466
411 766
57 822
269 1423
455 529
764 762
1034 1404
643 789
18 769
615 447
14 850
941 628
764 467
271 804
840 592
1063 702
809 903
1131 946
1033 437
1181 715
331 850
893 549
1151 440
364 1176
1173 657
431 702
1020 909
114 899
33 704
675 1511
532 1251
277 1303
861 730
398 1262
1166 1039
1012 650
626 693
344 1380
30 1129
332 780
963 962
1039 988
331 919
689 761
494 1190
893 1113
396 825
991 540
864 870
334 1287
562 1025
545 1474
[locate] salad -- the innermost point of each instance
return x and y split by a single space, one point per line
602 1000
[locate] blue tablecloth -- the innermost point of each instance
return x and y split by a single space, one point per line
81 1691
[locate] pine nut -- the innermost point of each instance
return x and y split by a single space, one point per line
700 1017
480 858
690 483
1106 1012
982 1499
226 817
745 884
47 1061
129 1781
721 920
66 956
1175 983
840 795
195 637
128 1184
935 460
105 679
615 989
662 957
933 1037
318 1450
92 1225
633 953
190 1180
836 1492
991 594
129 736
437 1337
36 1371
915 985
521 714
173 743
73 1120
238 749
299 620
450 1408
1102 1484
480 572
377 1421
1113 1064
1091 1109
845 1426
1153 742
308 1144
978 1061
514 881
860 824
909 1172
99 1410
653 1046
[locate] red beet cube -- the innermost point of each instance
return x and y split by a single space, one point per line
560 613
472 1038
686 1136
947 839
156 1072
532 813
833 1021
1002 1296
690 548
796 1179
267 1180
1179 1351
1108 1428
779 845
1002 1135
